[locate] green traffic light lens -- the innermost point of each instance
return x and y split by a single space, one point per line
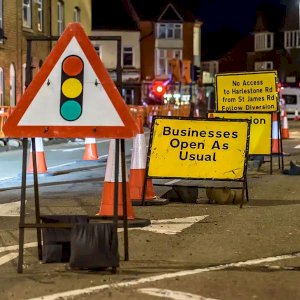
71 110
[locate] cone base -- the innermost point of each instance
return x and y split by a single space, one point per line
136 183
137 222
154 201
107 201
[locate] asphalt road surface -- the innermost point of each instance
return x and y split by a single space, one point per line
190 250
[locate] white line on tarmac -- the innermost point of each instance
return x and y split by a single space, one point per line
6 178
94 289
63 165
175 295
172 181
297 147
8 257
16 247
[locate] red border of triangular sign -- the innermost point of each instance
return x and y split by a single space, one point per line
11 128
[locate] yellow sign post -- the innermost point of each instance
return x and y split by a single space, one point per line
247 92
260 130
198 149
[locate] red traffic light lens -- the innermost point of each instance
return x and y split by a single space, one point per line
159 88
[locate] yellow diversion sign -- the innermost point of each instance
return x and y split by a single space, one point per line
198 149
247 92
260 130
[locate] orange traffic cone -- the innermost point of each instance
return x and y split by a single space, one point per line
90 152
285 127
107 201
138 171
40 158
276 148
296 116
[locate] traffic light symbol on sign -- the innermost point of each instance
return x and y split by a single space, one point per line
71 88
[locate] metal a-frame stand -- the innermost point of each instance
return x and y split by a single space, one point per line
38 225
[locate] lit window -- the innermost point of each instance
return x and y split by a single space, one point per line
76 16
163 60
263 65
1 14
263 41
12 85
40 14
27 13
60 17
169 31
127 56
292 39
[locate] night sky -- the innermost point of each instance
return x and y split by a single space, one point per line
237 15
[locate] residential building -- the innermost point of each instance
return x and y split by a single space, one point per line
22 19
152 35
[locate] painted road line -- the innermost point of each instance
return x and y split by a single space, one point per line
7 178
63 165
297 147
8 257
16 247
172 182
11 209
94 289
176 295
172 226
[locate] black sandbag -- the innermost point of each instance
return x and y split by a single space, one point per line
94 246
56 241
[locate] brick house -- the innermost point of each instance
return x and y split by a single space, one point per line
22 18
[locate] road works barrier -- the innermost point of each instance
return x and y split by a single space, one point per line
149 111
200 149
5 112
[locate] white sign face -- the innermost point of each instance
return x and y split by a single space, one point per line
97 108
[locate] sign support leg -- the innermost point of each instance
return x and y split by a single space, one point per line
22 207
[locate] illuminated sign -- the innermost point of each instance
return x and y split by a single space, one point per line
207 149
247 92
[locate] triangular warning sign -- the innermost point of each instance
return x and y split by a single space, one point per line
72 95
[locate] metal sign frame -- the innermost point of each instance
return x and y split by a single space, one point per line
38 225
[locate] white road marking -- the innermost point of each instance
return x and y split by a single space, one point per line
94 289
172 226
63 165
297 147
8 257
16 247
6 178
172 181
176 295
11 209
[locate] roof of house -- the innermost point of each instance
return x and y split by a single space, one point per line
269 17
125 14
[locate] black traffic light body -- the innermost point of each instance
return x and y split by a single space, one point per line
71 92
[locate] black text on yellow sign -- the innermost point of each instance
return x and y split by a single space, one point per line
204 149
247 92
260 130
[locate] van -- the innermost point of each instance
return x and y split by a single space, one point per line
292 100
